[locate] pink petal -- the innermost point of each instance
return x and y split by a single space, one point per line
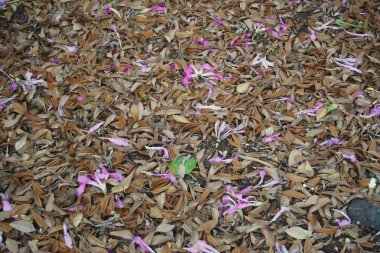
68 240
94 128
118 141
145 247
118 202
161 8
7 206
167 176
72 49
282 210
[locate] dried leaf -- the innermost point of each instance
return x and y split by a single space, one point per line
298 233
23 226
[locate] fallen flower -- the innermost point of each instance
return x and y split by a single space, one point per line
374 112
282 249
359 94
201 247
325 26
312 36
234 202
282 210
67 237
118 201
352 158
261 60
283 26
166 176
262 174
271 138
208 107
205 71
259 27
313 111
7 206
95 128
345 221
72 49
166 152
4 102
117 140
218 21
13 86
145 247
217 159
348 63
330 142
31 83
221 130
106 174
84 181
107 10
361 35
160 8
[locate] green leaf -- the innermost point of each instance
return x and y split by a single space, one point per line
341 22
331 107
189 164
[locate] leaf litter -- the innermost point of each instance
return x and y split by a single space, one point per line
188 126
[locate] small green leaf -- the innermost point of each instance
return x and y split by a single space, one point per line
331 107
341 22
189 164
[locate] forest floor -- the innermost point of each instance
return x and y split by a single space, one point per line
189 126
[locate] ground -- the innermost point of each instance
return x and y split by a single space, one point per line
189 126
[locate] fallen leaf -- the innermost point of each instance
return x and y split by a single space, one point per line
298 233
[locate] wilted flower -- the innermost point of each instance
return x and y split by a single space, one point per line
234 202
218 21
205 71
261 60
361 35
352 158
271 138
259 27
326 25
221 130
345 221
282 210
145 247
166 176
67 237
72 49
118 201
283 26
166 152
54 60
160 8
312 36
359 94
202 42
208 107
31 83
13 86
374 112
348 63
201 247
330 142
7 206
217 159
107 10
5 101
313 111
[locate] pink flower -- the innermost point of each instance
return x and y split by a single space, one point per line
283 26
261 60
235 42
248 35
170 177
127 69
13 86
330 142
67 237
106 174
374 112
282 210
72 49
107 10
201 247
218 21
202 42
95 128
348 63
82 180
205 71
234 202
80 98
54 60
271 138
313 111
262 174
166 152
145 247
217 159
359 94
118 141
7 206
113 27
282 249
352 158
324 25
160 8
361 35
259 27
312 36
118 201
31 83
345 221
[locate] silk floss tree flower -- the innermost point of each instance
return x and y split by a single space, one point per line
144 247
205 73
374 112
31 83
234 202
348 63
259 59
201 247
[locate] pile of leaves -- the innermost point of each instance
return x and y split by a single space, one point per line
187 126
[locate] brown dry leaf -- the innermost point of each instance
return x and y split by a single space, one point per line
125 234
295 157
181 119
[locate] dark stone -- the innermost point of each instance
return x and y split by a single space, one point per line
364 213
